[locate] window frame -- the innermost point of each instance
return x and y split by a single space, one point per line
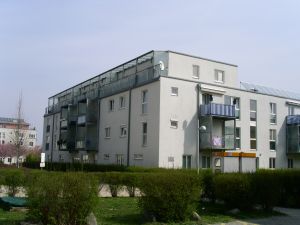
217 76
206 162
174 93
196 68
273 107
290 163
144 134
145 96
272 163
186 161
253 111
122 103
111 105
107 132
272 138
237 138
123 128
253 139
174 126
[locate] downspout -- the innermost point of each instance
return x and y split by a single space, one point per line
198 130
52 141
128 130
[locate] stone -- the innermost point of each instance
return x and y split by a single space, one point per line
91 219
234 211
196 217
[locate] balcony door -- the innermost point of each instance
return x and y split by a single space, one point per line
207 98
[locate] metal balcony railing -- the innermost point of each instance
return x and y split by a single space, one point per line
216 142
220 110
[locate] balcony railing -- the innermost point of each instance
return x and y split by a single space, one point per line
216 142
219 110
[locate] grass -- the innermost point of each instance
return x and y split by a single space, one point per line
11 218
125 211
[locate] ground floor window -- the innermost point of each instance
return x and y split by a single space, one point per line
119 159
272 163
186 161
257 162
205 162
290 163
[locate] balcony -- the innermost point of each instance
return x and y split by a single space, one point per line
218 110
208 142
293 134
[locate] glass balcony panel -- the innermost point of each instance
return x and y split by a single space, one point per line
220 110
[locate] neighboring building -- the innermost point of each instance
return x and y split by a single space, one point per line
146 112
8 137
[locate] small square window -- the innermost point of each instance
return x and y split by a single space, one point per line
174 91
174 124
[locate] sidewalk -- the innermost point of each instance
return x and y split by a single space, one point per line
292 218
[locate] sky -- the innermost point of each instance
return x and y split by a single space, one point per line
47 46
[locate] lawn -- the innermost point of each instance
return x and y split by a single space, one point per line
125 211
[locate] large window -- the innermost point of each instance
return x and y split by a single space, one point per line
229 100
144 101
253 110
273 116
253 137
272 163
219 76
272 139
205 162
186 161
238 138
144 135
196 71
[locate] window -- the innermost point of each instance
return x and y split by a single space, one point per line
31 143
252 137
3 142
145 102
138 156
196 71
48 128
291 110
205 162
107 132
271 163
61 158
257 162
272 139
144 139
111 105
9 159
237 137
253 109
207 98
122 102
219 76
273 113
106 156
186 161
229 100
119 159
174 91
123 131
174 124
290 163
31 136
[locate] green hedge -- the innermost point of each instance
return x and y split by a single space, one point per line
169 196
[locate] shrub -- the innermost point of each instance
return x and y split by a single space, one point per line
14 180
114 181
266 186
64 199
235 190
131 180
169 196
208 185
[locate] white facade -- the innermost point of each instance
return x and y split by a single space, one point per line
8 129
155 123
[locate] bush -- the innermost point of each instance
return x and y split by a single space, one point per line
169 196
266 186
208 185
14 180
235 190
114 180
131 181
64 199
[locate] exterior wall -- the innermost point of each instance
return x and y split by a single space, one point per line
183 108
181 66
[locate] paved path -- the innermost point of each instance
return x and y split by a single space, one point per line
292 218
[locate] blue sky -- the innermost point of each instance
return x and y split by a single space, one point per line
48 46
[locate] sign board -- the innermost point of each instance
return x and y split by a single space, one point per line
42 164
43 156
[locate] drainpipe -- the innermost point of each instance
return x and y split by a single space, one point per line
128 130
52 141
198 129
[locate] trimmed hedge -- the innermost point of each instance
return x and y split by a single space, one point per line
169 196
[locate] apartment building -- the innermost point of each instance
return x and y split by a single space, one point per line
173 110
8 136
